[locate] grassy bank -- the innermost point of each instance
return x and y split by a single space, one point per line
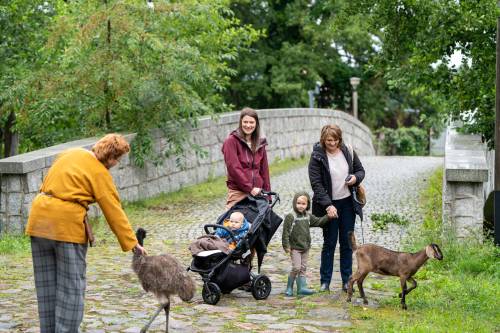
458 294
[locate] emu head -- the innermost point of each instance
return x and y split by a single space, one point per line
433 251
140 234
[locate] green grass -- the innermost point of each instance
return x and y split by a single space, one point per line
458 294
13 244
381 221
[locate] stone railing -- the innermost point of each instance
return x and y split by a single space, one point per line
290 133
466 173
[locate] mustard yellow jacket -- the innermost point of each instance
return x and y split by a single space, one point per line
76 180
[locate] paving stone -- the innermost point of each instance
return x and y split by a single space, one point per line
330 313
261 317
280 327
313 329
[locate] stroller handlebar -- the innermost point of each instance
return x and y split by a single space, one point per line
275 197
218 226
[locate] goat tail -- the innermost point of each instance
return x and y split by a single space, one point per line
140 234
352 241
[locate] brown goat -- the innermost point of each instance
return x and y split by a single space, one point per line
374 258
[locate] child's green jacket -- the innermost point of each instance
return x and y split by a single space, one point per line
296 233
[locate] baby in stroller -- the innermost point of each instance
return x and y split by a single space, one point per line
224 271
238 224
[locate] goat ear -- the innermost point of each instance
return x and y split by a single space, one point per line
429 251
437 252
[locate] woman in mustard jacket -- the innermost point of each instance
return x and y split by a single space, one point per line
77 178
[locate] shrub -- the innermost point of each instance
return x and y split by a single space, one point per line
408 141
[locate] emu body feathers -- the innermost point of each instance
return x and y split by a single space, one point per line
163 276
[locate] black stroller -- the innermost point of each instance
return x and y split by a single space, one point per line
221 273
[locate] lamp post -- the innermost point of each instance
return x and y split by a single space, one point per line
311 94
354 83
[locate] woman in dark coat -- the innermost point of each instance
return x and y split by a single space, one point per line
332 173
245 155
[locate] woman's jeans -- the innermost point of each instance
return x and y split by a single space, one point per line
338 228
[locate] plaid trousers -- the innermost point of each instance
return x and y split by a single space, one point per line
60 283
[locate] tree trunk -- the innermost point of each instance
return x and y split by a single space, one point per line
11 138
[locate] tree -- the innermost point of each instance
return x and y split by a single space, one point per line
420 39
119 66
320 41
24 30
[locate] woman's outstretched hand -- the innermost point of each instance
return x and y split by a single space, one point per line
140 250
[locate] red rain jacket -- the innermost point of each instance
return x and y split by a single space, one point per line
245 170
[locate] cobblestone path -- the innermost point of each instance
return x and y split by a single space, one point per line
115 301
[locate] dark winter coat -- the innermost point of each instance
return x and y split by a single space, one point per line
319 176
245 169
296 229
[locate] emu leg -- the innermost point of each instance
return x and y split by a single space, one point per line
403 292
146 327
167 313
360 286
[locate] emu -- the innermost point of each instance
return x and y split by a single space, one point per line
162 275
374 258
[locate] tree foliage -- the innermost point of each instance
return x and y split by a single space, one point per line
323 41
116 65
23 26
419 42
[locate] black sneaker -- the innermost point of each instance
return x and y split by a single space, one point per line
324 287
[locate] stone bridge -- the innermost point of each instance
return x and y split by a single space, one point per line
290 133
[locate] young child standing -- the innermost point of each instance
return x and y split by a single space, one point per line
296 241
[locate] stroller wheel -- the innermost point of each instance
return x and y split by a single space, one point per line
211 293
261 287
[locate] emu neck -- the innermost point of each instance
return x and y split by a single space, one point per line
137 261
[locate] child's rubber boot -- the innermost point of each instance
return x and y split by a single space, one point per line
302 286
289 285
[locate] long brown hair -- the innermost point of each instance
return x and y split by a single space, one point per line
255 137
330 130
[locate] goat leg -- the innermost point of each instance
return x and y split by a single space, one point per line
349 288
146 327
400 294
414 285
360 286
167 313
353 278
403 292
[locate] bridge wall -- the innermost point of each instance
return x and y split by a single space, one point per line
290 133
465 177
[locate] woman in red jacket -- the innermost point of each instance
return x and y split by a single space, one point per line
246 159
